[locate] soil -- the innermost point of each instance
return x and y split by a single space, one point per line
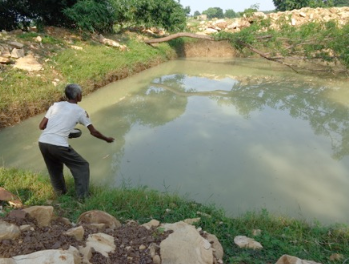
128 239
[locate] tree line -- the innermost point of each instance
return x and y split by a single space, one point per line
92 15
280 5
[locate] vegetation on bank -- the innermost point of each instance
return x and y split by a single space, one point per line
279 235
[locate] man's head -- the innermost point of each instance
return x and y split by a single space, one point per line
73 92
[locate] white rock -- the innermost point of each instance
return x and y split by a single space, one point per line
246 242
51 256
102 243
286 259
185 245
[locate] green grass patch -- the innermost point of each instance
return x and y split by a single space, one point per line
279 235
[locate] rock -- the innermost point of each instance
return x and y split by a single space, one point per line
7 261
98 217
17 53
256 232
28 63
286 259
42 214
185 245
336 257
217 247
5 195
246 242
51 256
8 231
16 44
101 243
77 232
191 221
4 60
151 223
157 259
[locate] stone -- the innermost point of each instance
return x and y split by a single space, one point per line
7 261
185 245
246 242
217 247
28 63
157 259
256 232
51 256
5 195
101 243
191 221
151 223
77 232
4 60
17 53
99 217
42 214
8 231
286 259
336 257
16 44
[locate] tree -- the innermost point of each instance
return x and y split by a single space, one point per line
187 10
167 14
197 13
214 12
90 15
283 5
230 13
341 2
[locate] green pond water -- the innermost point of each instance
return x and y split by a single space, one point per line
241 134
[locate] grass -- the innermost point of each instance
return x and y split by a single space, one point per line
279 235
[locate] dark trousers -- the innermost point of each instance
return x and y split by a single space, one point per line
57 156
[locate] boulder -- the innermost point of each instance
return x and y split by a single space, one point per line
185 245
42 214
101 243
77 232
28 63
8 231
51 256
98 217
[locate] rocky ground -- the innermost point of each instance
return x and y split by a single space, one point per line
132 240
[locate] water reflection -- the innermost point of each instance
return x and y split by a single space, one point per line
233 133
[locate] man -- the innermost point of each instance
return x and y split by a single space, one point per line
57 124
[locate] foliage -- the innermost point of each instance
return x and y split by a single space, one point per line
14 14
91 15
341 3
187 10
279 235
249 11
230 13
214 12
197 13
283 5
316 41
167 14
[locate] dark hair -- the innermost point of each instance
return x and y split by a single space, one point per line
72 91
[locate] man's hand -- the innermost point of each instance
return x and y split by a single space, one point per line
109 139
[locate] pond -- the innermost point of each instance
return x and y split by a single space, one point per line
242 134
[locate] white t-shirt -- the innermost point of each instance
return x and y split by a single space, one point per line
62 118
